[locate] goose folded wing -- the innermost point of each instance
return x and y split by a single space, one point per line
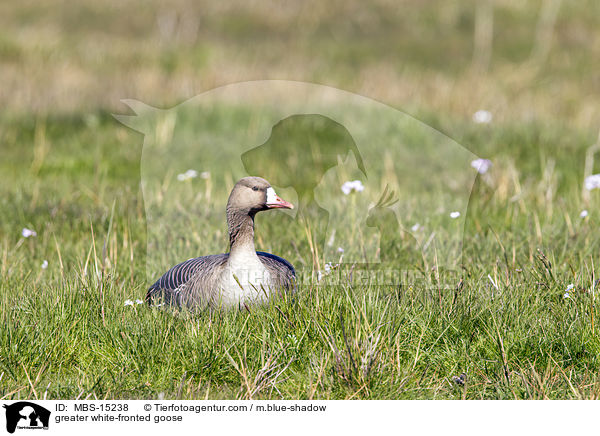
280 269
177 284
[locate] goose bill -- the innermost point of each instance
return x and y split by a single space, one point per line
273 201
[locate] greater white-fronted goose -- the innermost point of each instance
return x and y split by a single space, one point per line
242 276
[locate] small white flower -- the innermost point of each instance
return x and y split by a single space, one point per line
592 182
205 175
328 267
44 264
28 232
481 165
189 174
416 227
482 117
454 215
138 301
583 214
355 185
568 290
340 250
128 303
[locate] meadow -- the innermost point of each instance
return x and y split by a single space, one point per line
74 174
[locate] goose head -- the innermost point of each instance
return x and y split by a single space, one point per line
254 194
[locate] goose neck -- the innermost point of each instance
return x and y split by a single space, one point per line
241 232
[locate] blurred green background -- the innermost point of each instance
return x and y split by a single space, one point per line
521 60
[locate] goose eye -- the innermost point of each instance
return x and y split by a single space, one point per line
255 188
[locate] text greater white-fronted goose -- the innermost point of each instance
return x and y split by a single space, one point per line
242 276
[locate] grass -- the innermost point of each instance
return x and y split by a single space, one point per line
67 333
72 173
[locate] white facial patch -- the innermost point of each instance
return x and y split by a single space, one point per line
271 196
